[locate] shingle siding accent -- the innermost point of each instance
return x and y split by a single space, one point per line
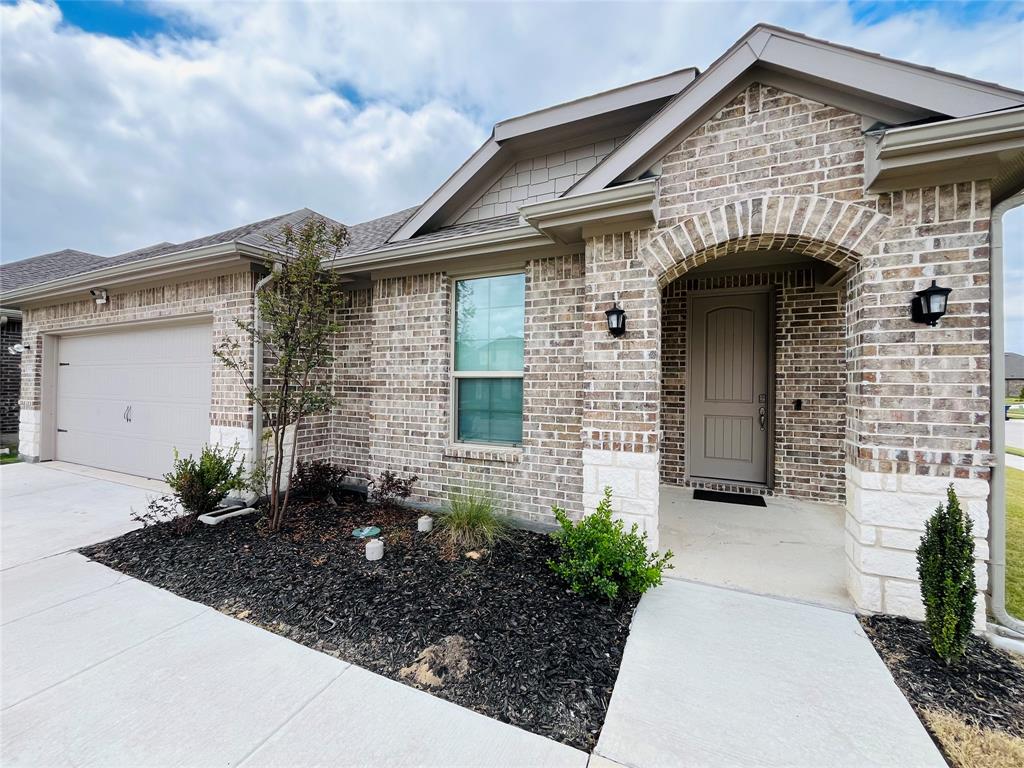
810 364
534 179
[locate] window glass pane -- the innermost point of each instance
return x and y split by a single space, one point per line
490 410
489 314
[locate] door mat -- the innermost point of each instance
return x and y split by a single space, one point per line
747 499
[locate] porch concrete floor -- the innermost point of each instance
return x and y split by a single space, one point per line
791 549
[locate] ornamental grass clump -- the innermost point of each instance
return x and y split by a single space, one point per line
598 557
945 566
469 522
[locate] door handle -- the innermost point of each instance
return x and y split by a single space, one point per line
125 414
128 414
762 417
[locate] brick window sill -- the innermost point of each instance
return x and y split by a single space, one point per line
483 453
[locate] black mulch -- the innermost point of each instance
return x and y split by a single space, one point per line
541 658
985 688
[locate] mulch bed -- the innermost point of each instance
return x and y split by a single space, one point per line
985 688
540 657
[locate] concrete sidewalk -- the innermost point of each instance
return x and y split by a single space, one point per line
101 669
714 677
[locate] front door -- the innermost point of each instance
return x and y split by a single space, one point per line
727 420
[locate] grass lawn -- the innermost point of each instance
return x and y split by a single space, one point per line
10 458
1015 541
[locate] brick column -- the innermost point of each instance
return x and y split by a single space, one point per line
918 396
621 382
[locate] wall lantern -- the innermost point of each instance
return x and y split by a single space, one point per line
930 304
616 319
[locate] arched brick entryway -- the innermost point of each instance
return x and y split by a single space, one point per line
829 230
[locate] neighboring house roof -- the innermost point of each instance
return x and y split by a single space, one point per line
1014 365
49 266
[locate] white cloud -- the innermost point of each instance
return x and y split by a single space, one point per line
110 144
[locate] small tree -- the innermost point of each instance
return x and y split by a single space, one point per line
297 313
945 566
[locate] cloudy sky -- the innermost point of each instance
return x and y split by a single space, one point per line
127 123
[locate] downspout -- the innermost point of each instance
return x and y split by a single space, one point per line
257 369
997 494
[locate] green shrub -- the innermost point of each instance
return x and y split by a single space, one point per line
598 557
197 488
470 522
945 565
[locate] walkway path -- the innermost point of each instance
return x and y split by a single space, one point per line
101 669
714 677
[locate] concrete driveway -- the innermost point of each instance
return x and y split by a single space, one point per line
101 669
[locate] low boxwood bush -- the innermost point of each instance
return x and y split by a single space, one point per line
470 522
598 557
945 566
197 487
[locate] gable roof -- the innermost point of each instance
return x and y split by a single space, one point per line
629 104
894 91
48 266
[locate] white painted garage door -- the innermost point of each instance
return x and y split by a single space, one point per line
126 399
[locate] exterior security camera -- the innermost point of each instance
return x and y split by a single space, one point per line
99 294
16 349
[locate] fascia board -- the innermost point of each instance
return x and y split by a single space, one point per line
663 87
887 79
145 269
566 218
521 237
952 151
476 162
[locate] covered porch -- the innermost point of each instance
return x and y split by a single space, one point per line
790 548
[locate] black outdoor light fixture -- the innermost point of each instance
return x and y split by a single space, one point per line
616 319
930 304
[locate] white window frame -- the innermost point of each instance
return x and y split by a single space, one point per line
453 425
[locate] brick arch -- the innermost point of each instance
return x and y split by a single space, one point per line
834 231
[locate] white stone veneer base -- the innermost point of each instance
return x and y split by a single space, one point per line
885 517
29 426
633 478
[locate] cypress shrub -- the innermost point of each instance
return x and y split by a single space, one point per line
945 566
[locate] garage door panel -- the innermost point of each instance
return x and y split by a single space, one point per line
138 380
126 399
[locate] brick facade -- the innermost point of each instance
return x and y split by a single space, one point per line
393 379
10 376
809 363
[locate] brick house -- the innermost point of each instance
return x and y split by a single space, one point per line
764 225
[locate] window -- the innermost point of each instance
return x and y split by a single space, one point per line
488 365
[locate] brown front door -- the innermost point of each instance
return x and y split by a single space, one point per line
727 421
